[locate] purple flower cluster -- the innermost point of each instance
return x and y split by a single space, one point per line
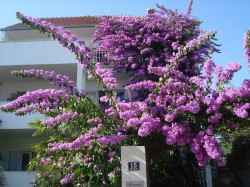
208 69
247 45
104 99
225 75
62 81
159 71
112 139
242 111
67 179
147 85
205 146
83 140
149 124
130 110
203 40
110 111
145 45
25 110
39 100
65 117
215 118
197 80
177 134
230 95
193 107
106 76
45 161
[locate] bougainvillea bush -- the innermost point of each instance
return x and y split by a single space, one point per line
180 102
89 162
92 158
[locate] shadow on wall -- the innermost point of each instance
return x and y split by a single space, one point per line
2 179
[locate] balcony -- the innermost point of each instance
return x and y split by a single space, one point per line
11 121
34 53
19 178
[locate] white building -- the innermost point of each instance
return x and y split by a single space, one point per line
20 48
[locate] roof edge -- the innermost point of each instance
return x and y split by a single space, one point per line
29 28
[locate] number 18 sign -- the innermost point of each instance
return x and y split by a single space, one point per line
133 166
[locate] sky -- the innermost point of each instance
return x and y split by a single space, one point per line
229 18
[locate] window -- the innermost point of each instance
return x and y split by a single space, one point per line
25 160
121 95
15 160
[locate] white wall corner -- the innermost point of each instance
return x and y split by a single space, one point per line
81 78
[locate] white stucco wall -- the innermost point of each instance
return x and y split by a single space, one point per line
35 52
19 178
35 35
10 121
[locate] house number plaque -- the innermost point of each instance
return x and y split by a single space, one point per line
133 166
133 161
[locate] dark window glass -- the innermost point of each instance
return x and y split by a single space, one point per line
25 160
15 160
